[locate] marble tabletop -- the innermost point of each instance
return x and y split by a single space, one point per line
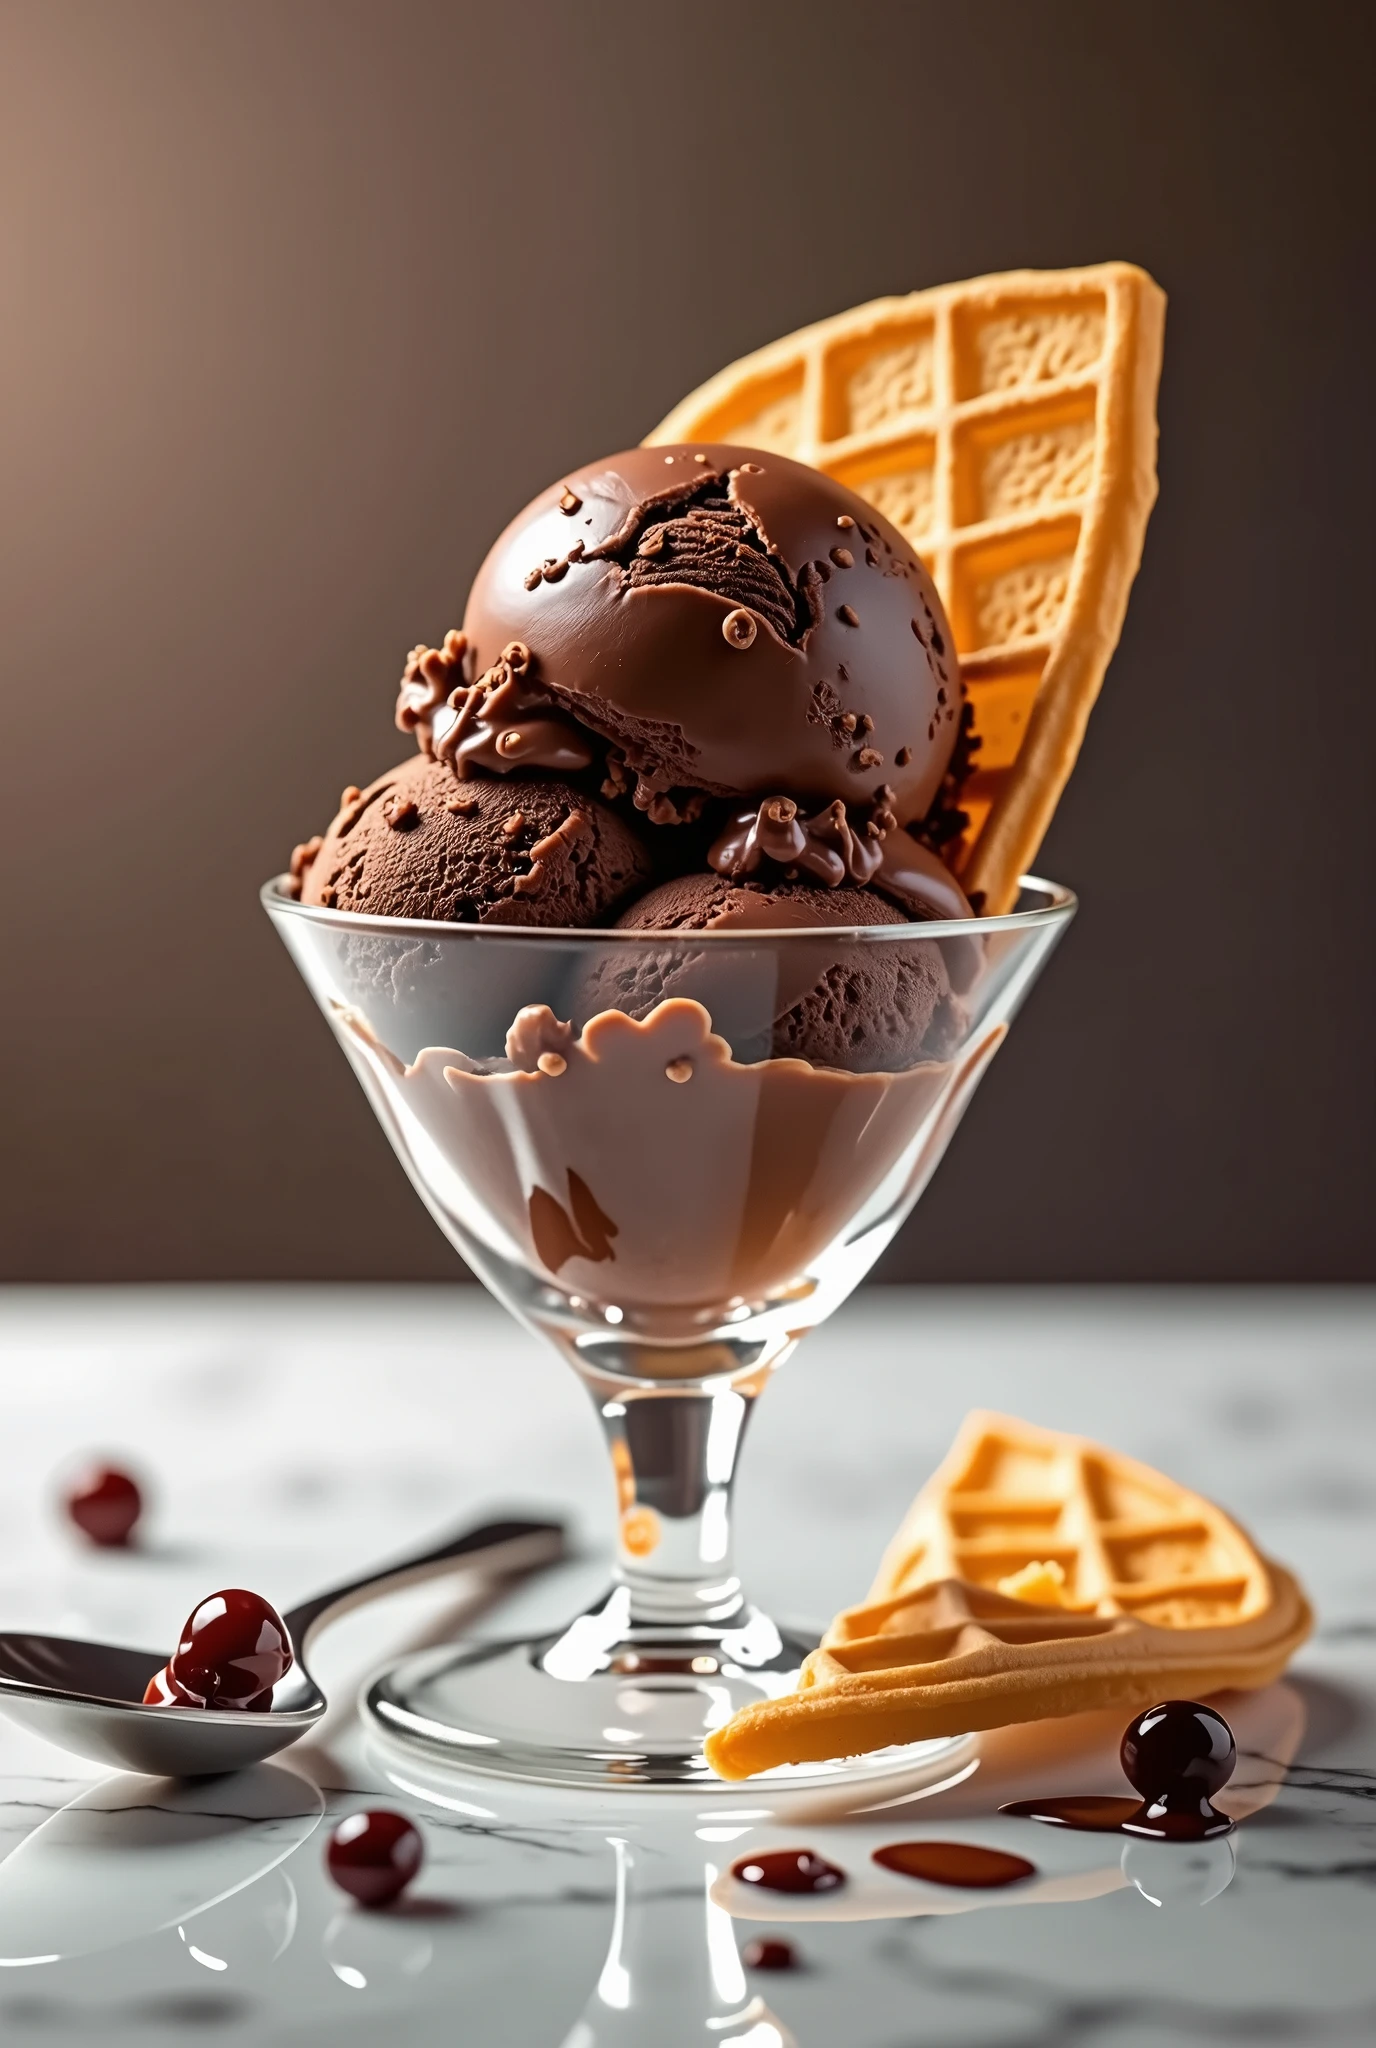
291 1434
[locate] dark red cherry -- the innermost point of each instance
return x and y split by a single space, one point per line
105 1504
233 1649
769 1952
374 1855
163 1690
1179 1753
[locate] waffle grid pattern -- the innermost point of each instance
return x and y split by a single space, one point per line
1163 1594
1007 427
1127 1541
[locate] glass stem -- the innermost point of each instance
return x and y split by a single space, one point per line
674 1452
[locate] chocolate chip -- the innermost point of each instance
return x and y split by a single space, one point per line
552 1063
847 616
845 520
570 501
535 579
739 627
842 557
903 756
679 1070
869 757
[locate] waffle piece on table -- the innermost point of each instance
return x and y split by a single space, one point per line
1146 1591
1007 426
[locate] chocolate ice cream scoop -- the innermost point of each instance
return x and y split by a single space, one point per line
865 1008
419 843
732 624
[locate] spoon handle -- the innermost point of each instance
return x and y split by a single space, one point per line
496 1548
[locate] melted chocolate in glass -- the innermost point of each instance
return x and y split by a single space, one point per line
1177 1755
955 1863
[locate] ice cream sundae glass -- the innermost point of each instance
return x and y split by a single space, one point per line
669 962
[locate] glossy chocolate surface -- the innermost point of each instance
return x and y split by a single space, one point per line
847 686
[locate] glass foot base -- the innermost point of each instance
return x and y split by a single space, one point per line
606 1706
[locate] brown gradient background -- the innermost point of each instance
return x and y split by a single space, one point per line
303 299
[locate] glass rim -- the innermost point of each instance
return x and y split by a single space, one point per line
1059 908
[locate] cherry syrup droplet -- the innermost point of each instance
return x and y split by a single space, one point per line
788 1870
105 1504
374 1855
233 1649
1177 1755
963 1864
769 1952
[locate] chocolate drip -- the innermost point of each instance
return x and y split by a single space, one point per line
506 722
826 846
428 681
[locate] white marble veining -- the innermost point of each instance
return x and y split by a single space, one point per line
290 1434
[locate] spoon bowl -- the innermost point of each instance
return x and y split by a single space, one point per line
88 1697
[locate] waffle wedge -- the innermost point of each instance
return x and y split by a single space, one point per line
1146 1591
1008 427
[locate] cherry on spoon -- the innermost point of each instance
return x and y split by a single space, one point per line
234 1649
88 1697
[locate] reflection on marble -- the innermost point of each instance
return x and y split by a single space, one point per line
189 1912
131 1855
659 1983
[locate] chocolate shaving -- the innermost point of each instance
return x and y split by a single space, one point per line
569 842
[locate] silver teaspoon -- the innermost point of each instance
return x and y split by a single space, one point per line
87 1697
